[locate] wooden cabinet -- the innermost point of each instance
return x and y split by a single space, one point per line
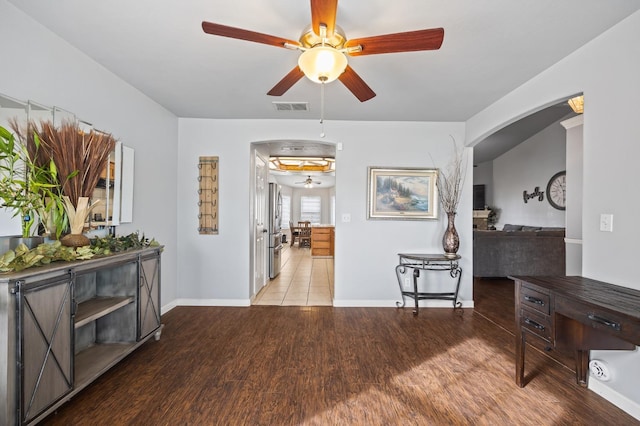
322 238
63 325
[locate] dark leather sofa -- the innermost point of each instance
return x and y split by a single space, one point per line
522 250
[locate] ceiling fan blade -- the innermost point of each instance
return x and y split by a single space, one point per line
239 33
324 12
356 85
287 82
411 41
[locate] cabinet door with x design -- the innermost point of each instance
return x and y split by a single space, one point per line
45 338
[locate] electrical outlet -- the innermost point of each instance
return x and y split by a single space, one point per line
346 217
407 282
606 222
600 370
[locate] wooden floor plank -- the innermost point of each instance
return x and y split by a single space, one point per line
267 365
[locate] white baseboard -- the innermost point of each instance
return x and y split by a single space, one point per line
206 302
169 306
630 407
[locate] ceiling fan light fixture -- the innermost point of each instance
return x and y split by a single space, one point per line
322 64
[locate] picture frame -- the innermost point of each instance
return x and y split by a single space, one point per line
402 193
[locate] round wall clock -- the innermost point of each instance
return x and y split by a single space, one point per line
556 190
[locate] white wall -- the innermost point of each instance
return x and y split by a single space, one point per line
483 175
40 66
215 269
575 177
529 165
607 71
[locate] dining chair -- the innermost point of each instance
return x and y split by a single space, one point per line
304 237
295 233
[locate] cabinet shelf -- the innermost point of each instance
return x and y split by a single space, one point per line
98 307
95 360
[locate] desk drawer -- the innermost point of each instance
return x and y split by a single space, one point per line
613 323
536 323
321 244
534 299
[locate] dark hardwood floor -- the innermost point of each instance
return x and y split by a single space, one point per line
269 365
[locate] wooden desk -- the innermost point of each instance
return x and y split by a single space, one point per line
574 313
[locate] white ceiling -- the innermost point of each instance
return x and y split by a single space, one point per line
326 180
490 48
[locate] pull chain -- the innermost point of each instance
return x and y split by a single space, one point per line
322 109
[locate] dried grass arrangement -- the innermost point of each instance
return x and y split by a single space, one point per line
80 155
451 180
74 150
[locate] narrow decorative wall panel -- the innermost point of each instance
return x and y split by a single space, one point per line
208 195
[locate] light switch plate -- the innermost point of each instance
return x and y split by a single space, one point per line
606 222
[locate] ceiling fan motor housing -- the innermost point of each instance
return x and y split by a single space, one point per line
310 39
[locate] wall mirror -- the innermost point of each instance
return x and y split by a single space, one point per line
115 188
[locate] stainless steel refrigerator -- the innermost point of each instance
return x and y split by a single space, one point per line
275 229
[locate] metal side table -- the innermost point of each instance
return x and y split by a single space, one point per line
428 262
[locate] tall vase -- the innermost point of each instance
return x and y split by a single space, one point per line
450 240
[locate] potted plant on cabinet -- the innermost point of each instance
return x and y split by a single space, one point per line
81 156
27 188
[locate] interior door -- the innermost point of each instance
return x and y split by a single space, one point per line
260 225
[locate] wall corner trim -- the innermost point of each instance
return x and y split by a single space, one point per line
572 122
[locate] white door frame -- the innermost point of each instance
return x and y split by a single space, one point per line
258 278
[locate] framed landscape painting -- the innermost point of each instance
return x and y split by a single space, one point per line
402 194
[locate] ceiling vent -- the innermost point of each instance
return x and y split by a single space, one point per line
291 106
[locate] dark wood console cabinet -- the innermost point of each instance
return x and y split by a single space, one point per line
577 314
65 324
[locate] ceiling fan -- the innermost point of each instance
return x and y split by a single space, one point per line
324 46
308 182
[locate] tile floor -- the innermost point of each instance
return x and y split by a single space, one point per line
303 281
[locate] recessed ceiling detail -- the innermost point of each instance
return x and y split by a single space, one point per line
302 164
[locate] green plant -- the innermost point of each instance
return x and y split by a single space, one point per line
46 179
22 258
112 244
494 213
27 188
